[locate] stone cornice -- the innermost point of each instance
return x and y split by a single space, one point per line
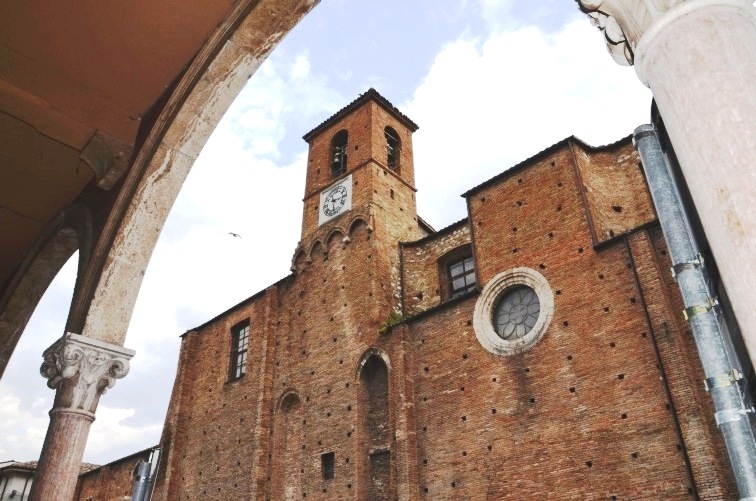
623 22
82 369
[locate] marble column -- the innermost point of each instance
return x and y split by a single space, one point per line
80 369
698 57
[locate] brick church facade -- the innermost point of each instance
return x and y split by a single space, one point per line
534 349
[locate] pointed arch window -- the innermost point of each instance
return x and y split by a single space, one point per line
285 468
393 147
375 430
339 145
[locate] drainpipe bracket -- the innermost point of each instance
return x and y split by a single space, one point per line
692 311
730 415
696 262
722 380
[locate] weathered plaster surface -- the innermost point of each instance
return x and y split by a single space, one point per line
118 287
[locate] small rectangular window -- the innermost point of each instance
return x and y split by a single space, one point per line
462 276
327 465
239 344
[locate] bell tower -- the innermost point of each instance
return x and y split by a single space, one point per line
360 164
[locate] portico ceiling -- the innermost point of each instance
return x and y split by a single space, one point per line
69 70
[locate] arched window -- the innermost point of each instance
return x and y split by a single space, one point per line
393 147
339 153
375 433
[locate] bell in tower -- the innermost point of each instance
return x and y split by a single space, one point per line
339 153
393 144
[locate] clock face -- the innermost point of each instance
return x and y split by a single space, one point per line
335 201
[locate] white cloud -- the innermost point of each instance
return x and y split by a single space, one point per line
488 104
496 12
111 435
23 429
24 398
301 67
204 269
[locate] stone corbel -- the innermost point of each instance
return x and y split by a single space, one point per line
623 22
107 157
81 369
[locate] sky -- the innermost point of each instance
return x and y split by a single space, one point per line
489 82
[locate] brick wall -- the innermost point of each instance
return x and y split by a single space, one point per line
215 426
423 270
614 189
605 405
682 369
113 481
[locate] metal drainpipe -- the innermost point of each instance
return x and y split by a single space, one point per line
142 481
155 464
721 379
145 477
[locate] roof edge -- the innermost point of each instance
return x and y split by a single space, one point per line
543 153
371 93
447 229
241 303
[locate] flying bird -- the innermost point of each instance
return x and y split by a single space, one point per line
234 234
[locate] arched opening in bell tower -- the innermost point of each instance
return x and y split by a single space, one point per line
339 146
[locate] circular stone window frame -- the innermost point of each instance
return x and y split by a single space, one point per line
490 295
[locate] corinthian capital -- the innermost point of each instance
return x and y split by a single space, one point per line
624 22
82 369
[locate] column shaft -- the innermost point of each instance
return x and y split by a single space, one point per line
80 369
58 468
699 59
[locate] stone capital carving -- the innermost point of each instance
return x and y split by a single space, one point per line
82 369
624 22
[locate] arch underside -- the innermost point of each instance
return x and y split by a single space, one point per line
70 231
115 258
131 213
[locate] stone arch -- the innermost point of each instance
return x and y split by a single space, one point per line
359 229
69 231
374 426
334 240
289 397
316 250
167 150
288 438
334 233
372 352
170 139
299 262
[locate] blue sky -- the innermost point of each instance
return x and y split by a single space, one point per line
489 82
